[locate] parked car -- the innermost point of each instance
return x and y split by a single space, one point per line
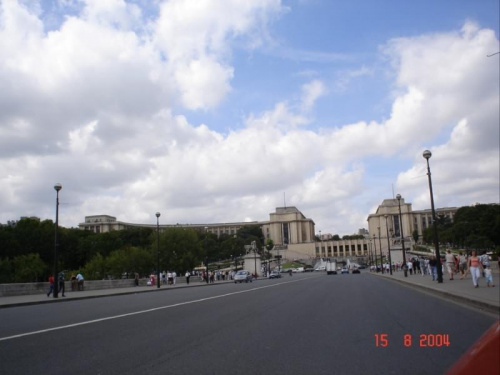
321 268
275 275
356 270
345 270
241 276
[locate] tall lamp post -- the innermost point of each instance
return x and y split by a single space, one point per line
254 247
405 266
57 188
427 155
206 249
380 246
388 245
370 251
375 252
158 250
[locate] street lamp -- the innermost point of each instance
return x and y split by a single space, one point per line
405 266
57 188
206 249
380 246
427 155
254 247
375 255
158 250
388 245
370 251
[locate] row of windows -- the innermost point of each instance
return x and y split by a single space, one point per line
341 248
335 253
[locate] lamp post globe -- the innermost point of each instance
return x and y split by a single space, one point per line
57 188
158 250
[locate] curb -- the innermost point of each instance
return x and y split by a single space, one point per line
451 296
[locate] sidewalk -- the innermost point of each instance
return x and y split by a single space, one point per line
462 291
35 299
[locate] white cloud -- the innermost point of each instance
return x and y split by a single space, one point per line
95 105
311 92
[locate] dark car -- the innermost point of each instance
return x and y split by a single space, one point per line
356 270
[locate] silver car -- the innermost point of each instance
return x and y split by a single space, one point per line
242 276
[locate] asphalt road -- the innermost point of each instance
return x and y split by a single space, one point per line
304 324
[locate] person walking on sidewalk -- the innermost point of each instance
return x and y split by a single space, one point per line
188 275
433 265
488 276
51 285
485 261
450 263
474 264
60 279
462 265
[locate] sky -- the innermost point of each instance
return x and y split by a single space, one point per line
213 111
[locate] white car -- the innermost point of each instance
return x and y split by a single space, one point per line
242 276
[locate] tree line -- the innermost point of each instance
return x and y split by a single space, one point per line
475 228
27 250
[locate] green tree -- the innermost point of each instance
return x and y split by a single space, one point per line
180 249
96 268
5 270
28 268
269 244
130 260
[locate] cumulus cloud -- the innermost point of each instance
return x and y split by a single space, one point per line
97 104
311 92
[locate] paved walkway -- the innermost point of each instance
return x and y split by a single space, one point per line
35 299
458 290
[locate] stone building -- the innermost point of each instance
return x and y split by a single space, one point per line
287 226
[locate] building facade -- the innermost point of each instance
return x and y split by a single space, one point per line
287 226
384 226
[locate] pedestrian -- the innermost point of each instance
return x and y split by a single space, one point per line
474 265
163 278
188 275
462 265
51 285
416 266
421 262
60 279
488 276
450 263
485 261
136 279
170 278
174 275
433 265
409 264
80 280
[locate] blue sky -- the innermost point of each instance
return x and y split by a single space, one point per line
210 110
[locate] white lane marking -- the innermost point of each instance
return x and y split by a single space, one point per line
144 311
